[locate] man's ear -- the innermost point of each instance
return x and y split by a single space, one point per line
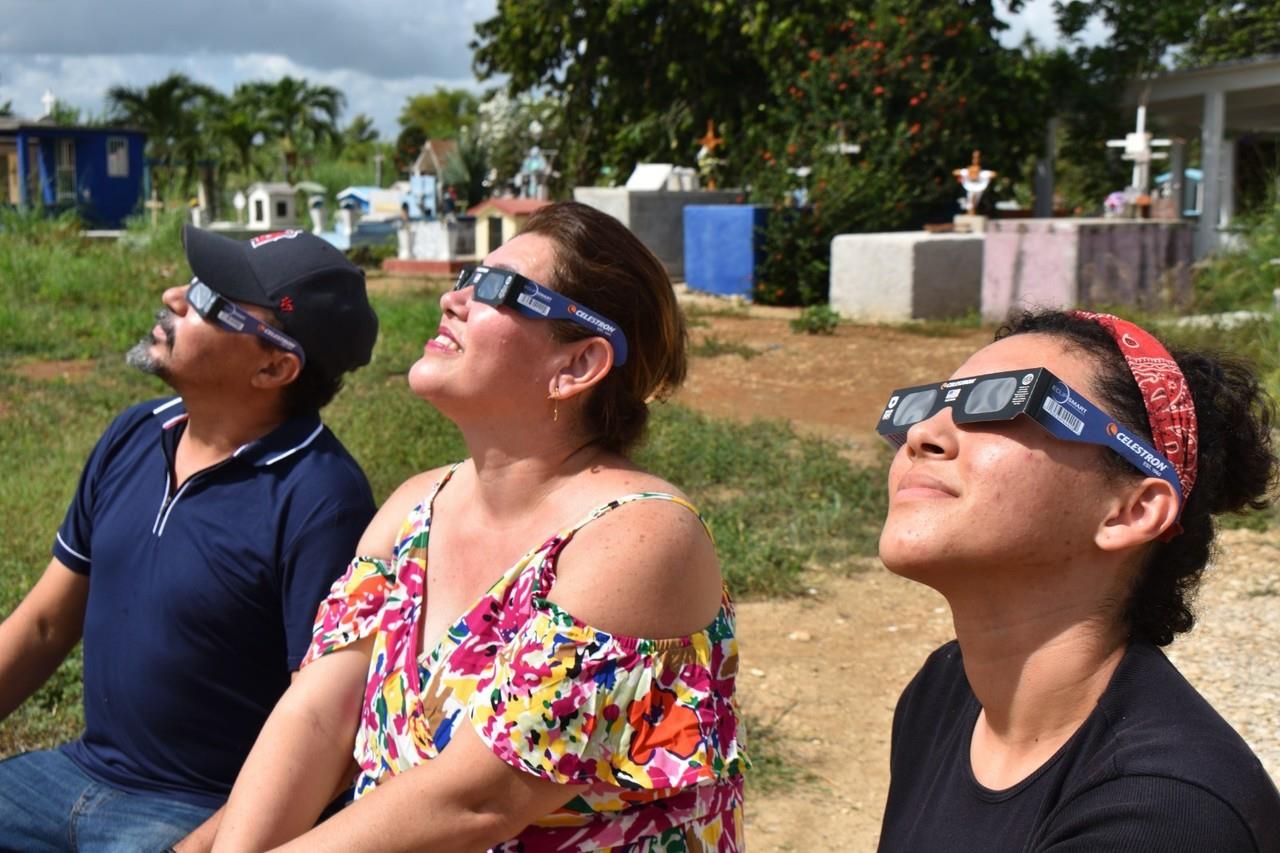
1140 516
588 363
278 370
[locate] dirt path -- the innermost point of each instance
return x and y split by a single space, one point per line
826 669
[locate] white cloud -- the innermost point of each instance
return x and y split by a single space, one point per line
1038 19
378 52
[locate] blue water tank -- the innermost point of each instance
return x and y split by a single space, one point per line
722 247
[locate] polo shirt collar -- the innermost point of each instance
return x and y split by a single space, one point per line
286 440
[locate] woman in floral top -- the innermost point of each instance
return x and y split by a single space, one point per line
535 650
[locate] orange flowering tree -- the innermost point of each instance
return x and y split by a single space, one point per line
916 87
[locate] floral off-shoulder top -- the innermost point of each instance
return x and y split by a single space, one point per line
649 725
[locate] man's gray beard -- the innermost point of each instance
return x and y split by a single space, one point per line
139 356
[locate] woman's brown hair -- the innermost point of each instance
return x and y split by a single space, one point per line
602 265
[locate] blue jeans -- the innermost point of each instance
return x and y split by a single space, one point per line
47 803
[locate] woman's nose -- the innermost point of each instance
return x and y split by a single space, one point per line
933 436
456 300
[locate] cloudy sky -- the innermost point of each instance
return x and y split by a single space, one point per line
378 52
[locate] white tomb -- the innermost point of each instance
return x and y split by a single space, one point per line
906 275
272 205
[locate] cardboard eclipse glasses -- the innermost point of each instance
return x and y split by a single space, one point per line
496 287
216 308
1057 407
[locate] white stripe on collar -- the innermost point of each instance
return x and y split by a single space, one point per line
170 404
295 449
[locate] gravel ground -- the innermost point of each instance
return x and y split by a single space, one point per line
1232 656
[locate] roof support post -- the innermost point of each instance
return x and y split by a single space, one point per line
1206 239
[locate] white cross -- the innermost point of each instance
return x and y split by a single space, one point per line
1137 147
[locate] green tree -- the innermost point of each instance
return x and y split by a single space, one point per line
299 118
1147 37
443 114
1233 30
916 86
467 168
239 125
6 109
638 79
359 133
172 112
506 131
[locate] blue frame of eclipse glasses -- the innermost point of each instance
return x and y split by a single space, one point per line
1053 404
495 286
213 306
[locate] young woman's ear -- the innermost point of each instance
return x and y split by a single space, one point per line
1141 516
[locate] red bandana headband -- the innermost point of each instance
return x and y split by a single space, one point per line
1170 409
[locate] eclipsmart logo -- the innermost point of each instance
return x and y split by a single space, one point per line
1112 429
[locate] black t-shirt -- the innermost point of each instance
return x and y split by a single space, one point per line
1153 768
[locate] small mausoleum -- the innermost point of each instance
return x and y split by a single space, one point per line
500 219
98 171
272 205
375 202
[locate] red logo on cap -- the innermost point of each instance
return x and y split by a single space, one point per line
286 304
264 239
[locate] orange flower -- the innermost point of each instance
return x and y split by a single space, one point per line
878 91
660 723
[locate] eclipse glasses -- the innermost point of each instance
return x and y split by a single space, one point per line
1053 404
496 287
215 307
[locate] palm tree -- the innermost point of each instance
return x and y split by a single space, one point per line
239 123
171 113
301 116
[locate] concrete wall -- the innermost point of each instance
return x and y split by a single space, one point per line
656 217
1069 263
908 275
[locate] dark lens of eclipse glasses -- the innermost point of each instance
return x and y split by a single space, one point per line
990 395
915 407
200 297
489 288
985 397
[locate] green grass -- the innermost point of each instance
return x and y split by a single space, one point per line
777 503
699 311
952 327
1243 278
712 347
772 768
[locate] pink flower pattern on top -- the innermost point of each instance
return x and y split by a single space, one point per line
650 726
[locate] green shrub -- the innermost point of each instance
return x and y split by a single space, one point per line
1245 277
816 320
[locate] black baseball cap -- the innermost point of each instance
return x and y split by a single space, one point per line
317 294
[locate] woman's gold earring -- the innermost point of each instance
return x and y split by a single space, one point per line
555 407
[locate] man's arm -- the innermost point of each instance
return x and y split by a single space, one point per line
40 633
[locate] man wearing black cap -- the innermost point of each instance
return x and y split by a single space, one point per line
204 531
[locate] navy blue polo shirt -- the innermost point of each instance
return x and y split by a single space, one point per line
201 600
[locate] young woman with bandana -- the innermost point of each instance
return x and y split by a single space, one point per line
535 649
1054 721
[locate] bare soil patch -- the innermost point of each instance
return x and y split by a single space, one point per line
71 369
